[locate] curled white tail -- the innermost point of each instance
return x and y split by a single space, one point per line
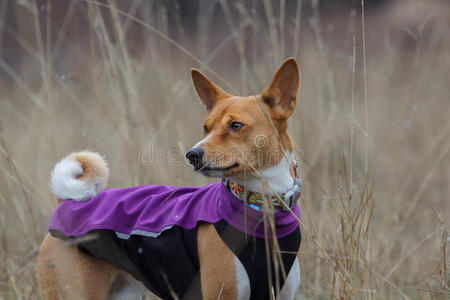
79 176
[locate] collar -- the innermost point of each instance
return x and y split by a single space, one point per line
256 200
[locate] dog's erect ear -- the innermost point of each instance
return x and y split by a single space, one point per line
281 94
208 92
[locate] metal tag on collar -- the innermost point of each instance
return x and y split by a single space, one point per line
290 195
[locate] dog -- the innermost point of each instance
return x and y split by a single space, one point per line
236 239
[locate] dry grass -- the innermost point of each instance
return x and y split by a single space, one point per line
374 129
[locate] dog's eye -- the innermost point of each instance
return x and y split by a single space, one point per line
205 129
236 126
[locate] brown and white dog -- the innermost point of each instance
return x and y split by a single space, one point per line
232 122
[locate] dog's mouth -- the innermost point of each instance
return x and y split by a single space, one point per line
213 171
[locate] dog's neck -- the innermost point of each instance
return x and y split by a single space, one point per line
278 178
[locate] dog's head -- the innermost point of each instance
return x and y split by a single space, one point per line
244 134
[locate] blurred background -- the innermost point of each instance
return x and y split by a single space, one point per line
372 121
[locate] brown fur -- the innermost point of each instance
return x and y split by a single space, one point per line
208 92
224 148
64 272
217 271
94 166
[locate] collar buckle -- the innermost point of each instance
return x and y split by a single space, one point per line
293 194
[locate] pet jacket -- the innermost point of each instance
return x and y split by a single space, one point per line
151 232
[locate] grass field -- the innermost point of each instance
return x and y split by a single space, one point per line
372 125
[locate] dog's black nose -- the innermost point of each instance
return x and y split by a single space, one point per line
195 157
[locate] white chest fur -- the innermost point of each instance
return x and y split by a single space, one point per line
287 292
278 178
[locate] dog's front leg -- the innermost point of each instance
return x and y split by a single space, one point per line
292 281
222 274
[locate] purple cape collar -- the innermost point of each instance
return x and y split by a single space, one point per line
148 210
